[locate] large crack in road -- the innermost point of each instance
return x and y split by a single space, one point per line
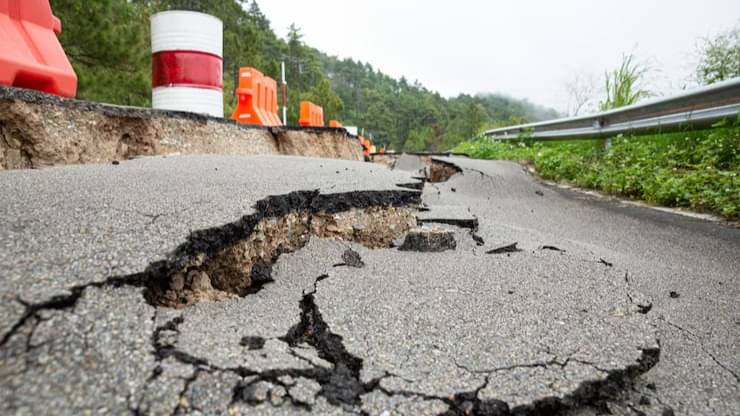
232 262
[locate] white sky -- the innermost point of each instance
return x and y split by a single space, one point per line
523 48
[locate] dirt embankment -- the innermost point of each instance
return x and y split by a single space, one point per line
38 130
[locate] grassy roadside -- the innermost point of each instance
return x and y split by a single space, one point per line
694 169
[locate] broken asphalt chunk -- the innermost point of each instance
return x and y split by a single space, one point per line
352 259
429 240
552 248
478 239
511 248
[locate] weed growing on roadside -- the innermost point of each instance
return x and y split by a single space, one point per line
693 169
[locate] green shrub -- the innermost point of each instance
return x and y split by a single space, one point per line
694 169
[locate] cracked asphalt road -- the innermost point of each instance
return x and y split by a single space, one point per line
590 328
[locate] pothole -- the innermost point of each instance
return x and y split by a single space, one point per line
431 170
236 260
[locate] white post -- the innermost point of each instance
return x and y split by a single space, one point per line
285 96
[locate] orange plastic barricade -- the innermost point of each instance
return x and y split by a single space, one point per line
257 99
30 53
365 143
311 115
335 124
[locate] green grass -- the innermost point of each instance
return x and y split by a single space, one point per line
695 169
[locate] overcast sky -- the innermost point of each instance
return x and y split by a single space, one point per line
523 48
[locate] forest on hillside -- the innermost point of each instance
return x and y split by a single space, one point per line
107 42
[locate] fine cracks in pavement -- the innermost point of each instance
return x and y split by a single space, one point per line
183 405
164 339
589 394
340 385
467 403
691 335
606 263
64 302
343 385
164 347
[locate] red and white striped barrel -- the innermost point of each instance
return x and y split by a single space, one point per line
187 62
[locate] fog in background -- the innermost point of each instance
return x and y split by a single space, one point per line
524 48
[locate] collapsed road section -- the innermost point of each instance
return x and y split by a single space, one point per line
233 318
38 130
237 259
181 287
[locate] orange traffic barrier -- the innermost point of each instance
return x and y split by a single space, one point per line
365 143
257 99
311 115
335 124
31 55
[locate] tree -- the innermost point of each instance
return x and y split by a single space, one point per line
107 42
474 119
720 58
623 85
580 89
323 95
256 13
417 141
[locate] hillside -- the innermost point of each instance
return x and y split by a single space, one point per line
108 44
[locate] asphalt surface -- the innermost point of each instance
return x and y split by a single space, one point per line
599 308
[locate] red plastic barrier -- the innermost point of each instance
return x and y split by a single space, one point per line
31 55
257 95
311 115
335 124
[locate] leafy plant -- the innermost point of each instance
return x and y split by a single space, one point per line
623 85
720 58
693 169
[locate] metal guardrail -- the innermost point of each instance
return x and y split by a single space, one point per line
700 108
